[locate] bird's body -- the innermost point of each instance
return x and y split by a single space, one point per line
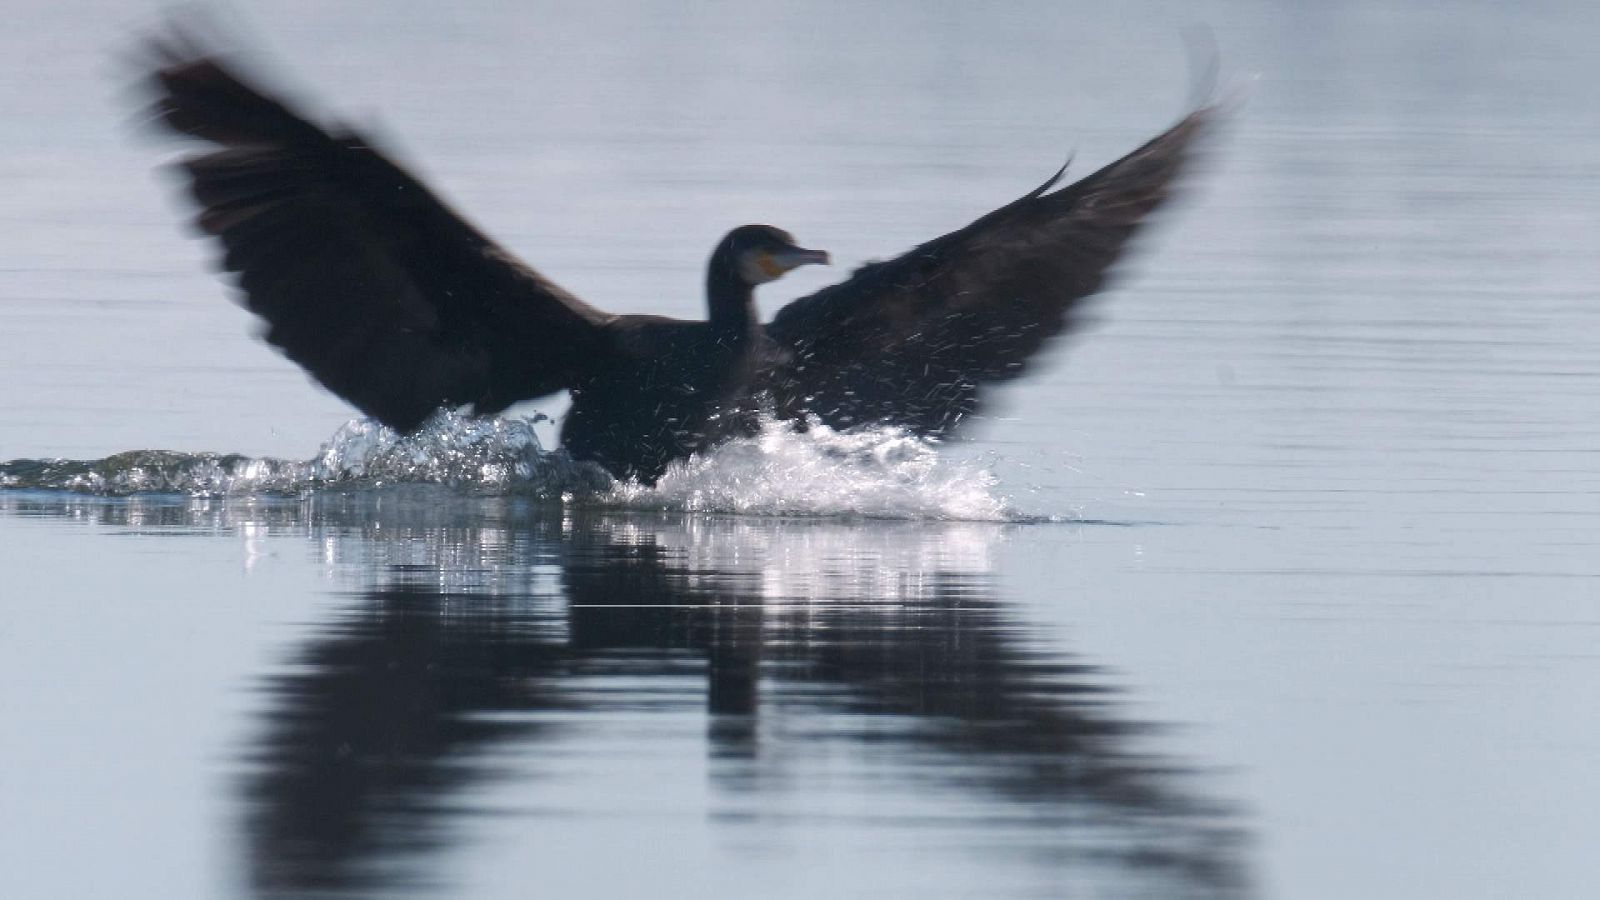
675 388
393 301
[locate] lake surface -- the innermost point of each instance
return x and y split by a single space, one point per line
1279 581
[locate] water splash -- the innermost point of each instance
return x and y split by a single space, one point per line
877 473
880 473
486 455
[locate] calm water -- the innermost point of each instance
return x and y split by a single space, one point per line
1280 582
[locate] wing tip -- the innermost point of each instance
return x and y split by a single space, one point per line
1210 103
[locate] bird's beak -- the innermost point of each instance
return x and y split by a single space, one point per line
795 257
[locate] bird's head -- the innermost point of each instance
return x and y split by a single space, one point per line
758 254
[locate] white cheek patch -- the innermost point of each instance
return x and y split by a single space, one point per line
752 270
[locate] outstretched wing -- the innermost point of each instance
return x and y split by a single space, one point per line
911 341
367 280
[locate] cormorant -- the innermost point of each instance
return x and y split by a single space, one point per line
397 304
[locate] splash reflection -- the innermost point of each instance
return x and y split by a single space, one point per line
493 637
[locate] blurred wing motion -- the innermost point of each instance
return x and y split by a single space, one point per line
910 341
364 278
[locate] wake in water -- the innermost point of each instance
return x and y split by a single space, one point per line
873 473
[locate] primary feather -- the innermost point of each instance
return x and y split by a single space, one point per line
911 341
364 277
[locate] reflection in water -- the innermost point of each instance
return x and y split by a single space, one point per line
373 735
489 631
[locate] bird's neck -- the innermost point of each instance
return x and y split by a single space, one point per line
731 299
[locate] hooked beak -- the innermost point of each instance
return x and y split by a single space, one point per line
795 257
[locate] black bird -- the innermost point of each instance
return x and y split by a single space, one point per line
400 306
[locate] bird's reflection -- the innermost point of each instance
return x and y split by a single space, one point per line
493 627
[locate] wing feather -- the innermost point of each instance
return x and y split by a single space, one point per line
363 277
912 341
